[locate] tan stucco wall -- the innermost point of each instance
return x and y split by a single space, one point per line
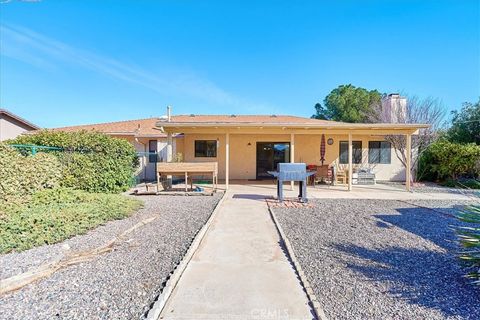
307 149
178 142
243 155
11 128
189 150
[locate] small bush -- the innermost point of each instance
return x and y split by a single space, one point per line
90 161
55 215
469 237
462 183
446 160
21 176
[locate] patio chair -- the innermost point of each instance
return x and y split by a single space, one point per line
341 175
323 174
311 179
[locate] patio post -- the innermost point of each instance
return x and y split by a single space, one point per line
227 159
408 173
169 147
170 157
292 154
350 166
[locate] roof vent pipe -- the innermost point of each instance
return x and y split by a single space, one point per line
169 113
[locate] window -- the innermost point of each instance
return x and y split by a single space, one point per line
357 152
379 152
206 148
152 151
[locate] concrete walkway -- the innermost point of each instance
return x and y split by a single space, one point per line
240 270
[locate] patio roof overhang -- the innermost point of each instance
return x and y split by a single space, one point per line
290 128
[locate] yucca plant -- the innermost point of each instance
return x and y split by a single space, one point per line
469 237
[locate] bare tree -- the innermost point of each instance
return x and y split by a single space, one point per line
421 111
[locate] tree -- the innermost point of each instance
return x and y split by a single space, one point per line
421 111
348 103
320 112
466 124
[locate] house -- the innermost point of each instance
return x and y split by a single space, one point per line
247 146
12 125
149 141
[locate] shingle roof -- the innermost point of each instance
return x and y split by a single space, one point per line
152 126
185 121
19 119
270 119
147 126
139 127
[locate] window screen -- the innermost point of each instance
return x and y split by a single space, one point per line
379 152
206 148
152 151
357 152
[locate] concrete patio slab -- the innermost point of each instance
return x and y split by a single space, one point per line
377 191
240 270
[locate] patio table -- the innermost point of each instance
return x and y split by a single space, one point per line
187 170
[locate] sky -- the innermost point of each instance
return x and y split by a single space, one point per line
78 62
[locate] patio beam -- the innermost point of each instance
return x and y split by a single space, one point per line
286 131
227 159
408 166
350 165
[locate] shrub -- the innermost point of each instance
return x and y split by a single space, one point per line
446 160
21 176
466 124
91 161
469 237
57 214
462 183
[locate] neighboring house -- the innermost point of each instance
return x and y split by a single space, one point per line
12 125
143 134
247 146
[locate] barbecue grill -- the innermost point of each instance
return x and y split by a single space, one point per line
292 172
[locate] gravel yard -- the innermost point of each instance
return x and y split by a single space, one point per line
120 284
381 259
431 187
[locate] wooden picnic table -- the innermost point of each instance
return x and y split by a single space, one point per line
187 170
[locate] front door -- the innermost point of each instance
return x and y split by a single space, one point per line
269 154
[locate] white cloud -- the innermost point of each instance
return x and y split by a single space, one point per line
36 49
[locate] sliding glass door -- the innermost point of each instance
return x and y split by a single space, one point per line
269 154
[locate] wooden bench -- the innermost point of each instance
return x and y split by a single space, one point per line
187 170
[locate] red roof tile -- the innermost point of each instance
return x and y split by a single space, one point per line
140 127
271 119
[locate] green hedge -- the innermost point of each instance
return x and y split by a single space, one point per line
90 161
22 176
446 160
53 215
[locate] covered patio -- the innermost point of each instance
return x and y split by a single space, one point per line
234 141
267 188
